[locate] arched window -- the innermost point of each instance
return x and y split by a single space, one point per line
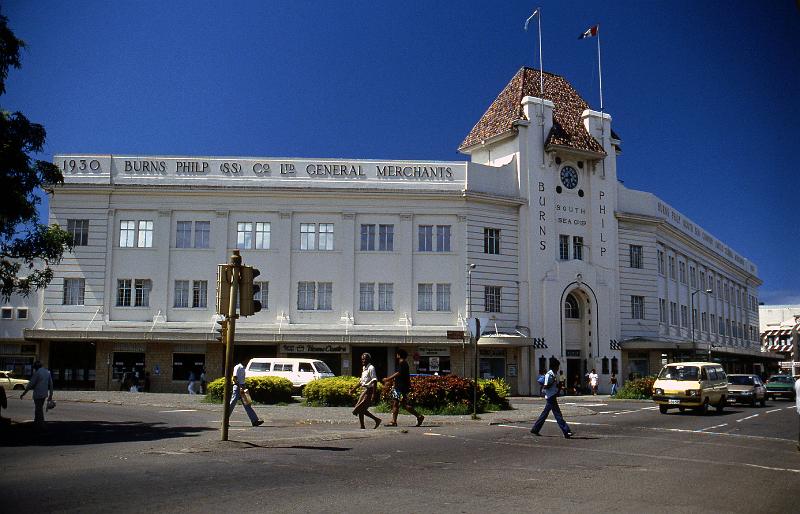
571 309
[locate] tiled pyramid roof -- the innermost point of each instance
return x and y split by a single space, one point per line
568 129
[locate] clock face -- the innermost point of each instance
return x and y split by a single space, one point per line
569 177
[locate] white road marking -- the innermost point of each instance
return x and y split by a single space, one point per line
624 412
790 408
772 469
179 410
748 417
773 410
607 412
715 426
649 408
593 404
439 435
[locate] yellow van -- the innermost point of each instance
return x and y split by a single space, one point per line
693 385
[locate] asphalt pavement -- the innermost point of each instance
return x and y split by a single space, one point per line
166 455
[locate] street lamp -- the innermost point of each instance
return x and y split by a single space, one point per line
694 320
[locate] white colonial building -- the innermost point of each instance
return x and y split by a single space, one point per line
369 255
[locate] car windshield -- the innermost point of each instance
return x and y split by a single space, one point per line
781 379
322 367
740 381
679 373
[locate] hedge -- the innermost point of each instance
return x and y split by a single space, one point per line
637 389
268 390
333 392
454 394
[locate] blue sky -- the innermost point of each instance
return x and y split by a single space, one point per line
703 93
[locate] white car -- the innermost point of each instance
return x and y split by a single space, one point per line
9 382
299 371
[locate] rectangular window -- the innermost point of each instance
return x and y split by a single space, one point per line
181 294
728 328
577 248
692 276
672 267
385 297
673 313
386 236
8 313
721 326
200 294
443 238
425 297
263 295
183 235
563 247
124 288
713 324
662 310
306 293
325 296
326 236
661 267
719 288
183 364
491 298
425 238
442 297
22 313
491 241
684 316
367 238
637 307
74 291
308 236
635 255
694 319
263 235
142 289
202 234
145 234
244 235
682 270
704 322
127 233
702 280
79 230
366 295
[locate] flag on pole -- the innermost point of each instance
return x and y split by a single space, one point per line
590 32
535 13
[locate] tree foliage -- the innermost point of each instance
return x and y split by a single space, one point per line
27 247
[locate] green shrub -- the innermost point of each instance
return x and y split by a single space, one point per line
637 389
268 390
494 392
453 395
333 392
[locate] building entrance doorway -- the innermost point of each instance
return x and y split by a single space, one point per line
378 354
573 376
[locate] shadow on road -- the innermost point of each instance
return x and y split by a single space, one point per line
68 433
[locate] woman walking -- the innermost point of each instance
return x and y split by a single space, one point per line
401 388
369 381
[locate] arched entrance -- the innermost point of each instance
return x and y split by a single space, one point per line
577 330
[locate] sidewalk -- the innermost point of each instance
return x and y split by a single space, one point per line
524 408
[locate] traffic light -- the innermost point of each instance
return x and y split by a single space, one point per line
221 330
223 288
247 291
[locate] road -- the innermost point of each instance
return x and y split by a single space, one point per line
626 457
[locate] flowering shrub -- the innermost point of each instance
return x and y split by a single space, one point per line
637 389
453 394
262 389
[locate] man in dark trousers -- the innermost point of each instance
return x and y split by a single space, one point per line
551 388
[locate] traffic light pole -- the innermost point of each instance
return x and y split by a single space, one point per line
235 268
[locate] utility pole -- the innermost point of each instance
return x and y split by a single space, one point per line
230 277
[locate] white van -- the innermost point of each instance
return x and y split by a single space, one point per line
299 371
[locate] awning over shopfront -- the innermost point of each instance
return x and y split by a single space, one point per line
506 338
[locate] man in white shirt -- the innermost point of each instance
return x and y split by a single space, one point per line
238 386
42 384
551 387
593 378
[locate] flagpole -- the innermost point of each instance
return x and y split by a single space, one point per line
602 111
541 82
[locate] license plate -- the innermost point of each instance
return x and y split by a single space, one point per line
674 402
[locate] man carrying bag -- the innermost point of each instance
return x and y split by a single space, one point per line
551 388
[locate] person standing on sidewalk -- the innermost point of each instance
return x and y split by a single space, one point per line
192 383
369 381
42 384
593 378
551 397
613 384
401 388
238 391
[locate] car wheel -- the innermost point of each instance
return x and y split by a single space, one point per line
703 409
753 402
682 409
763 402
721 405
663 409
19 387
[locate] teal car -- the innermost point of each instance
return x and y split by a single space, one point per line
780 386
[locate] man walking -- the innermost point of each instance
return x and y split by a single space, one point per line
551 396
238 389
42 384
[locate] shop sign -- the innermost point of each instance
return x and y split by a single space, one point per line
314 348
423 351
512 370
788 364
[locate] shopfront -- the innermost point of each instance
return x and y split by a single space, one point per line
329 353
432 360
72 364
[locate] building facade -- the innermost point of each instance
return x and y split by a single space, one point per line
370 255
780 334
